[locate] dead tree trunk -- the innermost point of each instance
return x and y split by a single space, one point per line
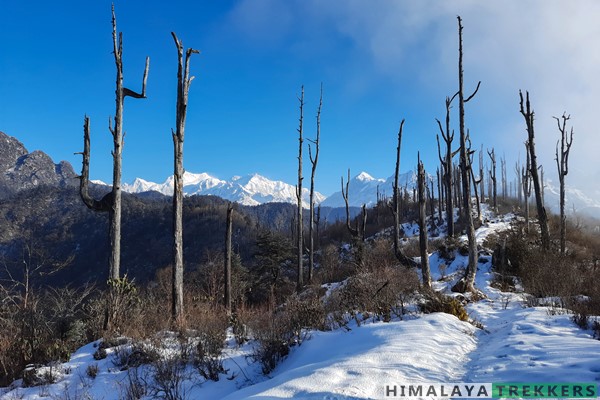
345 195
112 203
537 186
396 209
526 185
458 191
471 155
183 86
562 164
299 225
469 279
503 176
105 204
492 155
518 183
481 176
440 195
228 235
447 163
422 184
313 161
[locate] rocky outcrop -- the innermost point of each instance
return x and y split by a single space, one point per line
21 170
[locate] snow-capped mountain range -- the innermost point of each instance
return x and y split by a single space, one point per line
255 189
249 190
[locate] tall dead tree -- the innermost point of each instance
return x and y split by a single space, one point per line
227 266
503 175
562 165
358 233
528 114
475 181
422 185
396 206
518 184
111 203
354 232
446 162
440 191
526 185
465 166
299 225
493 179
183 86
481 176
313 161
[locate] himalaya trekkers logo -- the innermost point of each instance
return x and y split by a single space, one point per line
585 390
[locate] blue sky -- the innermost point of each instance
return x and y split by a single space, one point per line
379 62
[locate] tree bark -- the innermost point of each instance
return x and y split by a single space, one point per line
526 186
422 184
447 163
183 86
465 167
228 235
562 165
396 209
541 210
492 155
313 161
299 225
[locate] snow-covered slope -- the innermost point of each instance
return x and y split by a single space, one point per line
518 344
576 199
250 190
363 189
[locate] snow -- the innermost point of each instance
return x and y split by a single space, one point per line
250 190
517 344
358 363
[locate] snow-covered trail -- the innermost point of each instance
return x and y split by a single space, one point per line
517 344
360 363
527 344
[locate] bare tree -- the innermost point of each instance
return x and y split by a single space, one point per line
422 184
525 109
354 232
476 182
518 184
396 204
313 161
447 164
481 176
562 164
526 185
465 164
228 234
183 85
299 225
111 203
503 174
493 179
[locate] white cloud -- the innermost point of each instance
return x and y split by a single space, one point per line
549 47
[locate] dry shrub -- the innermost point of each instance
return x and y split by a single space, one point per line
273 340
208 327
276 331
380 293
331 268
439 302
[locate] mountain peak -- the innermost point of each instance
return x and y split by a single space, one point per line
20 169
363 176
251 190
